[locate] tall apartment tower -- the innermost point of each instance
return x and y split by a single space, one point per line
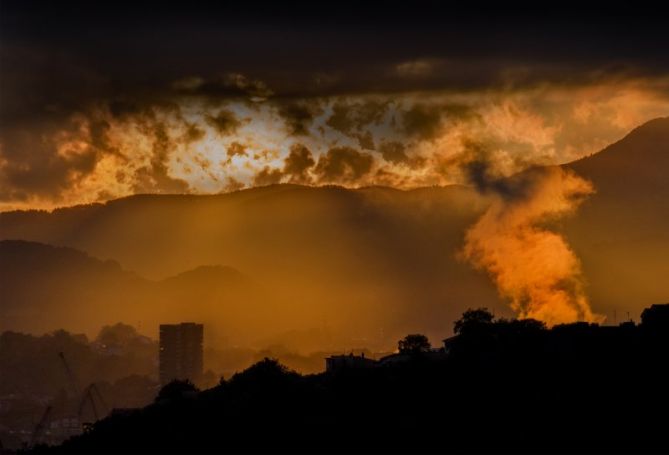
180 352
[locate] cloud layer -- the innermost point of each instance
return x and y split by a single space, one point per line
195 145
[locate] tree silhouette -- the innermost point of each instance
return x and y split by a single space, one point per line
473 320
656 317
176 389
413 343
522 325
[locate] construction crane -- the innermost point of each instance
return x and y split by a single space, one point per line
90 395
70 376
39 428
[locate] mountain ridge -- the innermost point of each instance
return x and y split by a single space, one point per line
46 287
377 260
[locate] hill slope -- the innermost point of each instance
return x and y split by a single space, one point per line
373 262
621 233
45 288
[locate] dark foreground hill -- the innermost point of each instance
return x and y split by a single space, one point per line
504 386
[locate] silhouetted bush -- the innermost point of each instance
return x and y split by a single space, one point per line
414 343
473 321
176 389
656 317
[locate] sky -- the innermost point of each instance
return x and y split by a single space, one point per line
105 100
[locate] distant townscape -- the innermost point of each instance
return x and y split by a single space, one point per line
616 376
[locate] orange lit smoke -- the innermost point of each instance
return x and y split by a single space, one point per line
533 267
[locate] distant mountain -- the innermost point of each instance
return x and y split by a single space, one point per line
44 288
640 158
621 233
373 263
369 263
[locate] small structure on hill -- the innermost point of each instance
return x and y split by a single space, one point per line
432 354
336 363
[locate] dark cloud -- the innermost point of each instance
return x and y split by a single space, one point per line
227 86
348 117
98 133
41 172
343 165
353 119
155 177
225 122
300 115
365 140
144 53
236 149
477 165
297 164
422 121
267 176
193 133
123 108
37 165
394 152
233 184
481 170
266 155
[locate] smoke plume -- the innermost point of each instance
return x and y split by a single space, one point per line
532 266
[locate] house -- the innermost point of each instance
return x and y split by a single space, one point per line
398 358
394 359
348 362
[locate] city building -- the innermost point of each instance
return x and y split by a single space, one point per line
180 352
